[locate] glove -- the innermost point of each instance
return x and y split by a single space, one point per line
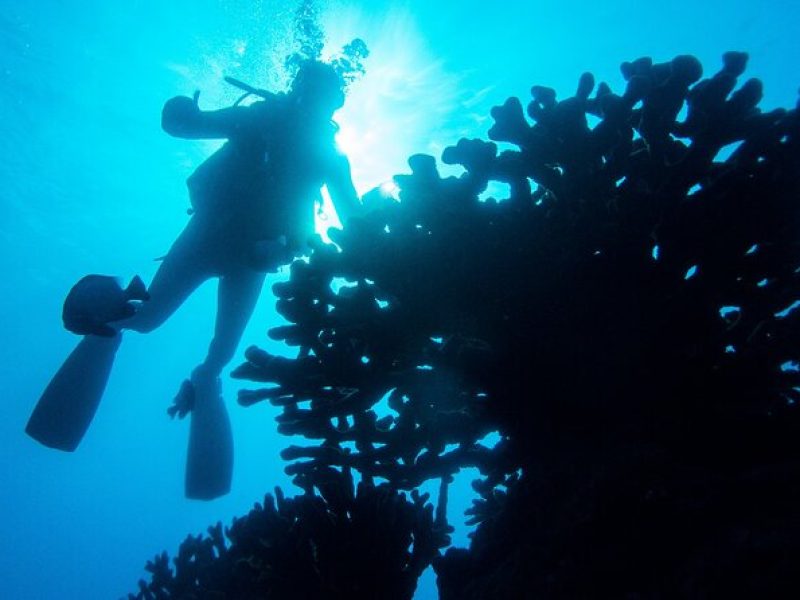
180 114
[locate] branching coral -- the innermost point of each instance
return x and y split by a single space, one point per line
343 542
624 319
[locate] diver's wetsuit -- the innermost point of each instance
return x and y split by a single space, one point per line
253 209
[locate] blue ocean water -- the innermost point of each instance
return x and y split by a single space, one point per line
90 184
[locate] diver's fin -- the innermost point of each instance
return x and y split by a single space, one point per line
137 290
68 404
209 462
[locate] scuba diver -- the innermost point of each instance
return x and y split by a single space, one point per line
252 212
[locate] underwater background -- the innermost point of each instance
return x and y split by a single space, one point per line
90 184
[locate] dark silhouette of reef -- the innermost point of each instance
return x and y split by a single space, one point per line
310 546
625 320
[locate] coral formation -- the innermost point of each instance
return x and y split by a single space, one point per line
346 542
625 320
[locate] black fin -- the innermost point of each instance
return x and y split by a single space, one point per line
67 406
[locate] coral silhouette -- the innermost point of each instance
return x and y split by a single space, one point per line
310 546
625 320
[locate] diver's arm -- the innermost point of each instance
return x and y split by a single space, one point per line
341 189
181 117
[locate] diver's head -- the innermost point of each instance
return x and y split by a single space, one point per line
318 89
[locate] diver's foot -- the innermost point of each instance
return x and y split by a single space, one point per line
207 378
183 402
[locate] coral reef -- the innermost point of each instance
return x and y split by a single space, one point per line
625 320
344 542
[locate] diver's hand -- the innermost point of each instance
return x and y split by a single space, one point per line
180 114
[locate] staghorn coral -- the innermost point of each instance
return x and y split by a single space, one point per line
625 320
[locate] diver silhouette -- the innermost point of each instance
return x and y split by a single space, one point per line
252 211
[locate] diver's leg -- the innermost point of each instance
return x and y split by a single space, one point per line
183 269
237 296
209 463
67 406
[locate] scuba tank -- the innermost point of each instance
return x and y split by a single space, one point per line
230 172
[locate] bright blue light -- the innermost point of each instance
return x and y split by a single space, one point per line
491 439
727 310
725 152
340 282
382 408
655 252
497 190
785 312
